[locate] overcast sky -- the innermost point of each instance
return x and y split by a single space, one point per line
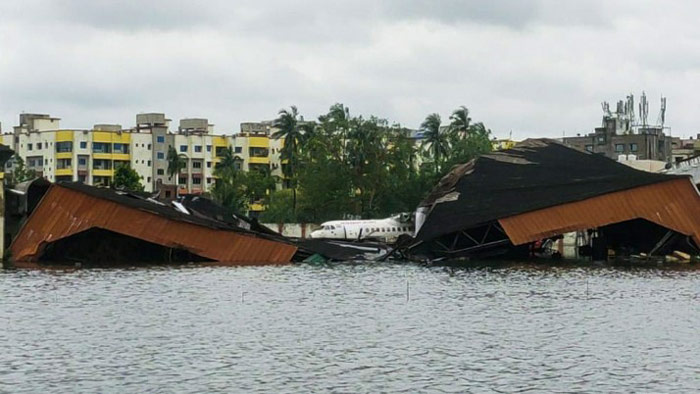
533 67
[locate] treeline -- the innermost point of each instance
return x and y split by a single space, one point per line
341 165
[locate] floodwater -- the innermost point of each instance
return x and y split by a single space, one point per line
350 328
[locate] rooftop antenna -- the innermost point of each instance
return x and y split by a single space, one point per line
644 110
662 115
630 108
663 111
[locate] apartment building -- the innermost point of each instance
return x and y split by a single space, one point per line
93 155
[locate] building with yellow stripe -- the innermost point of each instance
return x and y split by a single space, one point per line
92 155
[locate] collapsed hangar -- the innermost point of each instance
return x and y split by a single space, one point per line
81 223
504 202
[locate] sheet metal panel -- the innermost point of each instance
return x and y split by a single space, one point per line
674 204
64 212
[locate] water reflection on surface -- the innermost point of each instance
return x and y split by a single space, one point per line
365 328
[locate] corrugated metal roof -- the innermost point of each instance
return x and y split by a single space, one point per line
534 175
674 204
67 211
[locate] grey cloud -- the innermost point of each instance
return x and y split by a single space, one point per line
130 14
515 13
537 67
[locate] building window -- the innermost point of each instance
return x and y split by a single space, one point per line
208 180
160 171
62 164
183 148
99 164
29 146
238 149
83 144
182 180
220 151
121 148
589 148
101 147
65 146
601 139
208 164
38 145
149 146
198 148
619 148
257 152
149 163
82 161
160 156
196 164
149 179
634 147
196 181
208 148
160 139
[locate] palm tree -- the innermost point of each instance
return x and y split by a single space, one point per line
460 121
228 159
288 128
176 162
434 139
339 115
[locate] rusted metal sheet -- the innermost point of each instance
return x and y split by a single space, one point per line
674 204
64 212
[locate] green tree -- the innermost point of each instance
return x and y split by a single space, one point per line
20 173
127 178
228 190
176 162
434 140
345 164
279 208
237 189
287 124
228 159
257 184
460 121
465 147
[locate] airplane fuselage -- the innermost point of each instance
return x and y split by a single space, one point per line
389 228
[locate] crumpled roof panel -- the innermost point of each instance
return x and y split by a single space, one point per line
536 174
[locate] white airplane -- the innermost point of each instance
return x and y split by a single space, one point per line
389 228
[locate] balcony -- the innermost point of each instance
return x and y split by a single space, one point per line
106 173
259 160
